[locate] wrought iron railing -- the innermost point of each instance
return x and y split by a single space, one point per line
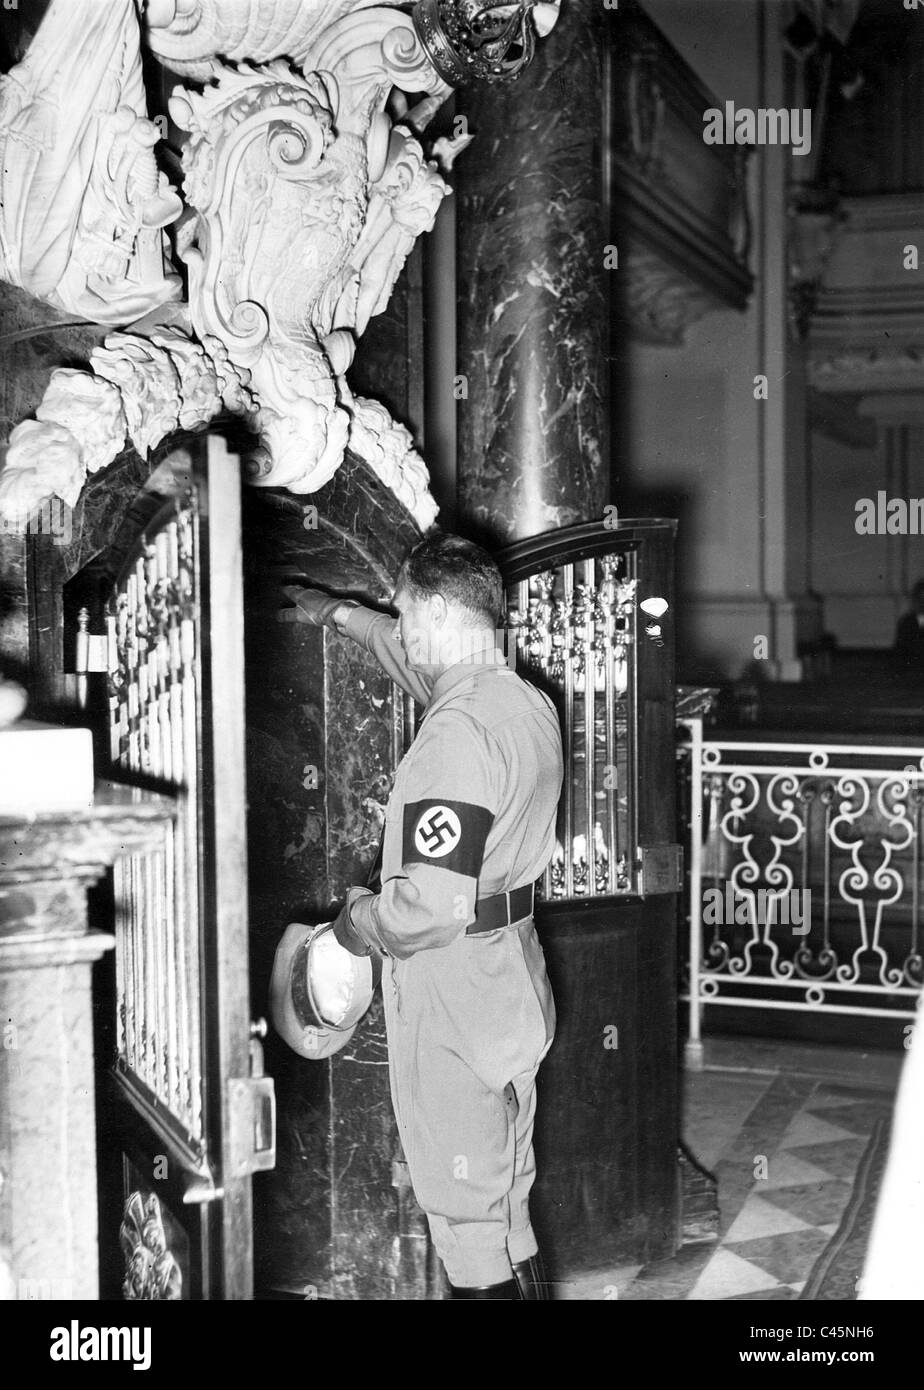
805 883
154 679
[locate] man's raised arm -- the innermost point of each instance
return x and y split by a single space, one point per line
374 631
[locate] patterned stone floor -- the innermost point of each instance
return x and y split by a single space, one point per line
783 1127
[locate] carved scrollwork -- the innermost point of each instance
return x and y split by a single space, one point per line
138 387
307 199
152 1273
189 35
289 275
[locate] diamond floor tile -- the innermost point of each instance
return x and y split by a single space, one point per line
828 1093
860 1119
797 1108
726 1276
816 1204
786 1169
787 1258
762 1218
812 1129
840 1159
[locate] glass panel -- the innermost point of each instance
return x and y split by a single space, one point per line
574 628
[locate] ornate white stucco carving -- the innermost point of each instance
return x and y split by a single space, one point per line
307 197
82 203
309 202
140 388
189 35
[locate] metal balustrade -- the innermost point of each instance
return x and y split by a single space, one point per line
804 877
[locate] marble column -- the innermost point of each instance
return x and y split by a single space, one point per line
531 367
48 1188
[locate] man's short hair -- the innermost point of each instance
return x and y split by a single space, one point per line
459 570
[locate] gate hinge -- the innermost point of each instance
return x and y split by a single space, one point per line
660 869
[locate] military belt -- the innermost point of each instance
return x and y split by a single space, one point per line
501 909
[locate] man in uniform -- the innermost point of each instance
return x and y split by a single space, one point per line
469 827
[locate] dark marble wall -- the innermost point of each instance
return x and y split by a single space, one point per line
321 754
606 1119
532 433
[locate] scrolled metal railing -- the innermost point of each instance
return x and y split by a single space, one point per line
805 863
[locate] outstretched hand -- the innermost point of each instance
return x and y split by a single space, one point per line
310 606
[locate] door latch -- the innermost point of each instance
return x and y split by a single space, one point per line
252 1113
660 869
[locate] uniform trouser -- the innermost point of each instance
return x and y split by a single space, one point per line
468 1025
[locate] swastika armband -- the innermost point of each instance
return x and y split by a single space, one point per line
447 834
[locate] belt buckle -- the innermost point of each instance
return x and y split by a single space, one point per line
509 907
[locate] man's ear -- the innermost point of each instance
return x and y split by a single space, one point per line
438 609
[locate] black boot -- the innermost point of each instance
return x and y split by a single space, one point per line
509 1289
531 1277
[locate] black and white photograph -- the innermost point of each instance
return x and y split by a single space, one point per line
462 667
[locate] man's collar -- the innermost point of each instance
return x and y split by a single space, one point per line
469 665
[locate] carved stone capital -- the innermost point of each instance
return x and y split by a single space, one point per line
865 332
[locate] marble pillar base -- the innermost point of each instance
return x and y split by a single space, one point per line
47 1129
48 1174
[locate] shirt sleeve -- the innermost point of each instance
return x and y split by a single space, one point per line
450 799
378 634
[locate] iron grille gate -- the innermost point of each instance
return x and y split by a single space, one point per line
196 1114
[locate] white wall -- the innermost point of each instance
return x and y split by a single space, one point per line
865 578
696 429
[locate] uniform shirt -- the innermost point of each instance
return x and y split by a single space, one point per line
473 807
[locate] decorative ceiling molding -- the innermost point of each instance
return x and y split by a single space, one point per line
303 196
866 332
868 368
